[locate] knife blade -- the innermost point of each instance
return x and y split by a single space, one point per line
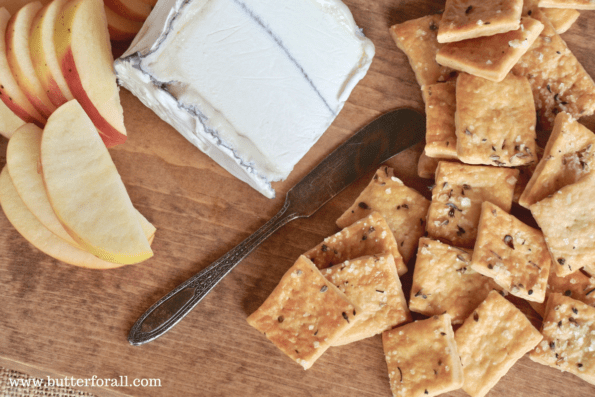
386 136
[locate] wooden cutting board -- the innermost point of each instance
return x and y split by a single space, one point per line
59 320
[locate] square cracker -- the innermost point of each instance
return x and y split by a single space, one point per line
368 236
417 39
573 4
561 18
559 81
568 155
441 140
426 166
576 285
457 196
567 219
513 254
491 340
422 358
305 314
444 281
491 57
403 208
568 337
495 121
468 19
372 283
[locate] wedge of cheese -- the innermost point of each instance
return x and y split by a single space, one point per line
253 84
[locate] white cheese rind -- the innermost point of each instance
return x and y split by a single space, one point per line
253 84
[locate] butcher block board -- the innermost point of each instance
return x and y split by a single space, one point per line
57 320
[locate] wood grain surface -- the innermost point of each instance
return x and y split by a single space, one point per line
59 320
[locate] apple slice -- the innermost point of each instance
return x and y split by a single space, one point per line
22 160
33 231
135 10
84 53
150 2
12 6
86 191
9 122
43 54
10 92
119 27
18 33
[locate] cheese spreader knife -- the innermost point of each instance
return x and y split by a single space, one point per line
380 140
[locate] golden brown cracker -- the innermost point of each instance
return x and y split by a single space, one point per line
577 285
426 166
561 18
572 4
441 140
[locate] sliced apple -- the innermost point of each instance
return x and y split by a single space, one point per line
86 191
43 54
11 94
84 53
33 231
14 5
150 2
18 33
119 27
9 122
135 10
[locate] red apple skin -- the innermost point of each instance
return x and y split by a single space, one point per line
120 8
19 111
110 136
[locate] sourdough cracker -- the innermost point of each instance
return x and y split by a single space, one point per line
576 286
305 314
372 283
573 4
559 81
513 254
491 340
417 39
422 358
567 219
368 236
403 208
468 19
568 155
561 18
444 281
457 196
491 57
441 140
495 122
568 337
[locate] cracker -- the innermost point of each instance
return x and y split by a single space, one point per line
444 281
568 156
495 121
441 140
576 285
403 208
422 358
426 166
513 254
567 220
468 19
573 4
457 196
305 314
561 18
372 283
417 39
559 81
368 236
491 340
491 57
568 337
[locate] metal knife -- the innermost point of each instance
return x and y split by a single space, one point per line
380 140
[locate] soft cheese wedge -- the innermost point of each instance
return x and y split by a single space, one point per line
33 231
22 161
18 33
86 191
253 84
9 122
43 54
135 10
84 53
11 94
119 27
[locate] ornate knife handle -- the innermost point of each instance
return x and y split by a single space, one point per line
174 306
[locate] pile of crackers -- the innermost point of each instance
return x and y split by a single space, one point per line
492 73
